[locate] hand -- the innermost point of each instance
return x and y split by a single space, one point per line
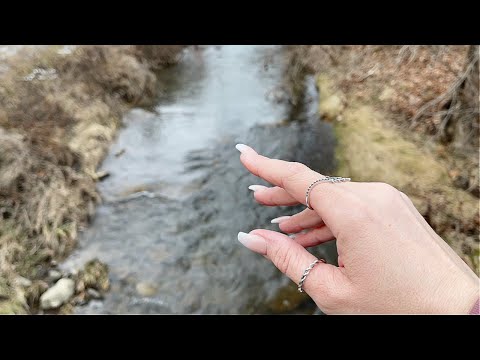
390 259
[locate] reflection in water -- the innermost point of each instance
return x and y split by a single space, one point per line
177 196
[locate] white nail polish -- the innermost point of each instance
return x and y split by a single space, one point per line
256 188
280 219
242 147
253 242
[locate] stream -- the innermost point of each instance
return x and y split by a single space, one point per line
177 194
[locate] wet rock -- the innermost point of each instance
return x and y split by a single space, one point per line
94 294
54 275
94 275
58 294
146 289
287 300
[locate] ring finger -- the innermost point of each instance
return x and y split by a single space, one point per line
273 196
314 237
305 219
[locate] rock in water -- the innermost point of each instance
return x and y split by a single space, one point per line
58 294
94 275
94 294
146 289
54 275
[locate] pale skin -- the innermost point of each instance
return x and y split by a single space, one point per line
390 261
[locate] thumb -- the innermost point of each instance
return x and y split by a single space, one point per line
322 283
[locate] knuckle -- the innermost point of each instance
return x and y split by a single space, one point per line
332 291
294 169
388 189
281 258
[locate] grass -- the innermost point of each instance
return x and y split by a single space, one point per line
58 116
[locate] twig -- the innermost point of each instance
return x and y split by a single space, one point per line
444 96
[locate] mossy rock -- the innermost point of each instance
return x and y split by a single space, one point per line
94 275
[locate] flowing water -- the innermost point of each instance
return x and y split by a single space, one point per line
177 194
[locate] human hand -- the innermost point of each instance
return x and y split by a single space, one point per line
390 259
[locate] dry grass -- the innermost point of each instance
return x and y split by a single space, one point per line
58 116
417 81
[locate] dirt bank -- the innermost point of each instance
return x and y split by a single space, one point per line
395 120
59 112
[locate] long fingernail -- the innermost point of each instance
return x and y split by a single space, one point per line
253 242
256 188
280 219
242 148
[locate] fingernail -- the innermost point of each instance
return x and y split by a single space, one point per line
280 219
292 236
256 188
253 242
242 148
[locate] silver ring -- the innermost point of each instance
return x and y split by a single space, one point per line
306 272
331 179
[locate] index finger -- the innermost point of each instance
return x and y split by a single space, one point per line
329 200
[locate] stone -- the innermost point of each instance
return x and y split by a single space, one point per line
54 275
94 294
95 275
58 294
146 289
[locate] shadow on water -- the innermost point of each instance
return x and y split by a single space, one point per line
178 195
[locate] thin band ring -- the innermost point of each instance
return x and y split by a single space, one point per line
306 272
330 179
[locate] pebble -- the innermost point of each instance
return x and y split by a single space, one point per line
58 294
146 289
94 294
54 275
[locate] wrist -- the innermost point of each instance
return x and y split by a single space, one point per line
459 297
